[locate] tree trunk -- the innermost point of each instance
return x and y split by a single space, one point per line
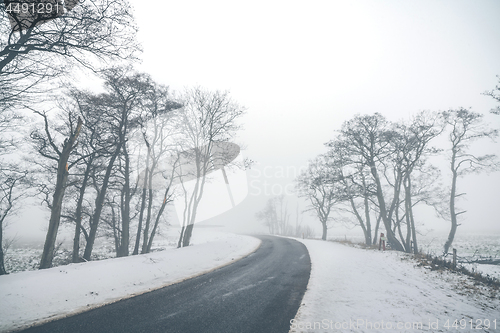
368 235
188 232
412 220
99 204
5 212
78 214
153 232
75 258
453 214
157 221
181 236
55 216
2 265
187 235
361 222
396 198
377 225
143 204
148 222
408 214
325 229
145 242
397 226
55 213
116 236
126 208
366 229
141 217
383 211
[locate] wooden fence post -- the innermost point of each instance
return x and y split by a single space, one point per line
382 241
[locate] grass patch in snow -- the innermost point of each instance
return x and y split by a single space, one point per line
434 263
438 263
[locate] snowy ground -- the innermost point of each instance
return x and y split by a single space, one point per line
350 289
357 290
34 296
470 246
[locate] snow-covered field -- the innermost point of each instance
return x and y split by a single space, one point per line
34 296
470 246
357 290
350 289
25 256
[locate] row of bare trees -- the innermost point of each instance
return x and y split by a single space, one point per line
121 153
36 52
277 217
105 163
95 163
378 171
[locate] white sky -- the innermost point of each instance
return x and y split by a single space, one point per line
302 69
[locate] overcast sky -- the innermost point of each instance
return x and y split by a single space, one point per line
302 69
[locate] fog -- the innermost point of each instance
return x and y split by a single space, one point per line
302 70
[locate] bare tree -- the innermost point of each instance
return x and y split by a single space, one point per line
357 185
46 145
101 29
269 217
495 94
13 175
359 188
109 118
209 119
131 99
32 53
121 107
376 160
369 140
10 193
90 153
284 226
276 217
412 143
321 185
466 127
86 34
157 134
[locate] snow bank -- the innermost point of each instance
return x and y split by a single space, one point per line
356 290
29 297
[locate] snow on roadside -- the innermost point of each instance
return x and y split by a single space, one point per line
34 296
356 290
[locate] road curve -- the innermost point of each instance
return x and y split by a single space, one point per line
259 293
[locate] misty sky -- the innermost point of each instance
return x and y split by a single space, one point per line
302 69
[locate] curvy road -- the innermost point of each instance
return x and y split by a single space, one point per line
259 293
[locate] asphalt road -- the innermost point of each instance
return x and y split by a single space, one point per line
259 293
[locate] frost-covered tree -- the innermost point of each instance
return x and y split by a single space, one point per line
209 119
47 146
11 191
466 127
34 49
276 217
495 94
321 185
369 140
